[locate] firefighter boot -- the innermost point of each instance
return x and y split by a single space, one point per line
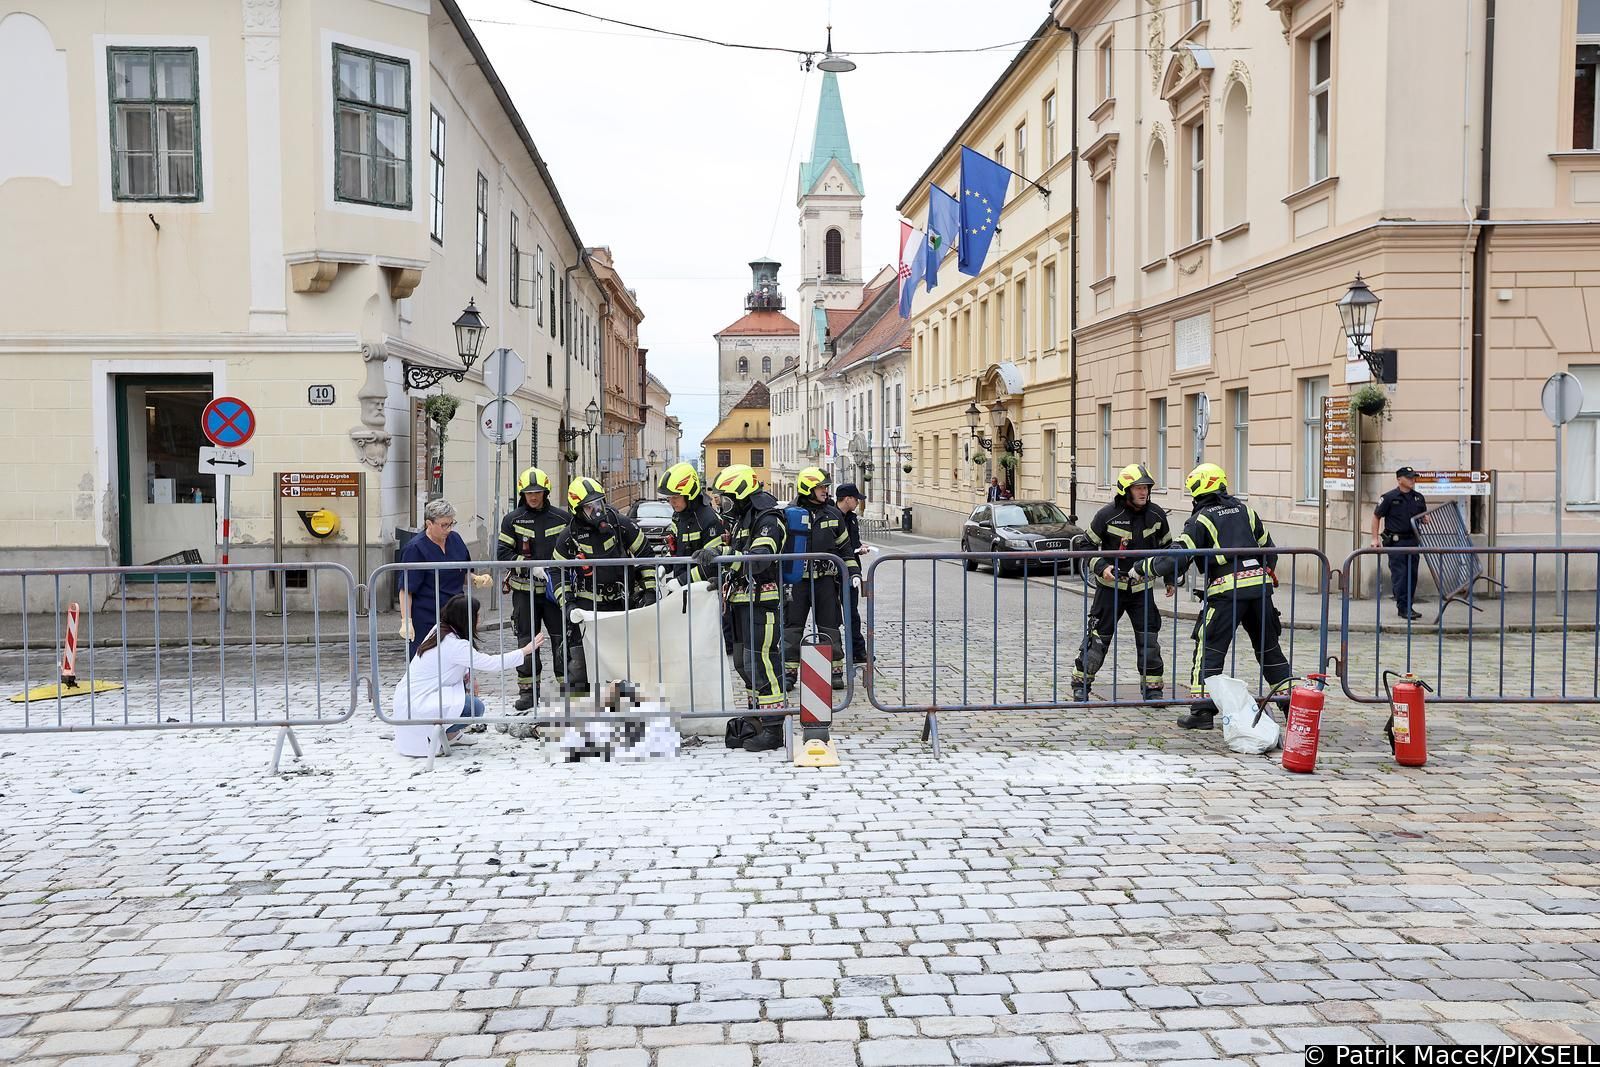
1080 691
1199 717
1153 692
768 736
527 697
838 680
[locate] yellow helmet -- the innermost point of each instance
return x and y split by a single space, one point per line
737 481
807 480
582 490
1206 478
1131 475
533 480
680 479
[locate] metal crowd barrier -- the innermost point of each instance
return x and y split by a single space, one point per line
1013 648
609 579
141 660
1537 641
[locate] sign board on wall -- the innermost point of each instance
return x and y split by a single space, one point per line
1191 342
1338 445
1453 483
319 484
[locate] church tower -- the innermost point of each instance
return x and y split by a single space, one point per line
829 198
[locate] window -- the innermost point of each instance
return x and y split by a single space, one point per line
516 270
1000 158
1319 69
1582 485
1195 133
1104 58
1313 392
1102 213
549 371
533 439
835 252
1021 141
482 231
1001 299
724 457
554 314
1105 444
1156 213
1049 145
1158 441
1022 318
1191 415
436 175
155 119
1586 78
1239 454
1235 156
372 130
536 296
1195 12
766 364
983 334
758 457
1049 463
1050 322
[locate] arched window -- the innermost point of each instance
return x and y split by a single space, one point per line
766 364
835 252
1156 211
744 366
1235 156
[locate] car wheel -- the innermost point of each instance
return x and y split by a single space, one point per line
972 564
1002 569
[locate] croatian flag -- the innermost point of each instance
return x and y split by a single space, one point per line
913 263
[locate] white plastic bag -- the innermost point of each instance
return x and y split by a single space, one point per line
1243 729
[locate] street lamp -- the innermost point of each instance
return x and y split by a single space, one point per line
973 415
470 330
832 62
591 415
1358 311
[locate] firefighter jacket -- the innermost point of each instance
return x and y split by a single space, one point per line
757 529
1221 521
603 588
695 527
1119 527
829 534
530 533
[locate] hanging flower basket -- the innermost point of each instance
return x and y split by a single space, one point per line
906 467
980 458
1008 461
440 409
1370 400
571 455
866 477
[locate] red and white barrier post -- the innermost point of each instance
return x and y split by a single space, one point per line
816 691
69 659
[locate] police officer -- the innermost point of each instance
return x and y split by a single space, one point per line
597 532
1395 510
1129 523
818 589
752 590
695 523
529 531
1237 587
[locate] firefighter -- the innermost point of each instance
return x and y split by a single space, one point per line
529 531
1237 588
695 523
818 588
752 590
596 532
1132 521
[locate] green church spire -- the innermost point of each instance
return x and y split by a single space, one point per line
830 141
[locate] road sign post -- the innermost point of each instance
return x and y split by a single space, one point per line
228 423
504 372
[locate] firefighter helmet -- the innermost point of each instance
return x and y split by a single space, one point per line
808 480
1131 475
680 479
533 480
582 491
737 481
1206 478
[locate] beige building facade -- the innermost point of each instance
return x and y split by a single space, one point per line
291 204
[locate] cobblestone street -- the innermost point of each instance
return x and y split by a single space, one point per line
1061 887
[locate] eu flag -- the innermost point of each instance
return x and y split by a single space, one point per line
983 192
944 220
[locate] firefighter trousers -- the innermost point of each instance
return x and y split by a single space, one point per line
1142 613
532 611
817 595
756 638
1213 636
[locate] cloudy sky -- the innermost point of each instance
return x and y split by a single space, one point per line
682 157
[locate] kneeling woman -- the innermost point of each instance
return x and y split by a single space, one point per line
434 686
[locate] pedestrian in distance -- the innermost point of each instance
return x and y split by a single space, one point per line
424 591
1131 522
1392 528
529 532
434 685
994 490
1236 587
849 499
816 589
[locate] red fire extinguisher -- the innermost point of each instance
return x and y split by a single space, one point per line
1303 727
1407 729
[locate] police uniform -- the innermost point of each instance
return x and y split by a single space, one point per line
531 533
1237 587
597 532
1397 508
852 529
1121 527
819 587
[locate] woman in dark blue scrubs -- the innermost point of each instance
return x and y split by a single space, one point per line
424 591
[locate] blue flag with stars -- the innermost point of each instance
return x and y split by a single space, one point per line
944 222
983 192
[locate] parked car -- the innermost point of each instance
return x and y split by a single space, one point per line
654 518
1021 526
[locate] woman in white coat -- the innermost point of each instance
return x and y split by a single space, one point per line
434 686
